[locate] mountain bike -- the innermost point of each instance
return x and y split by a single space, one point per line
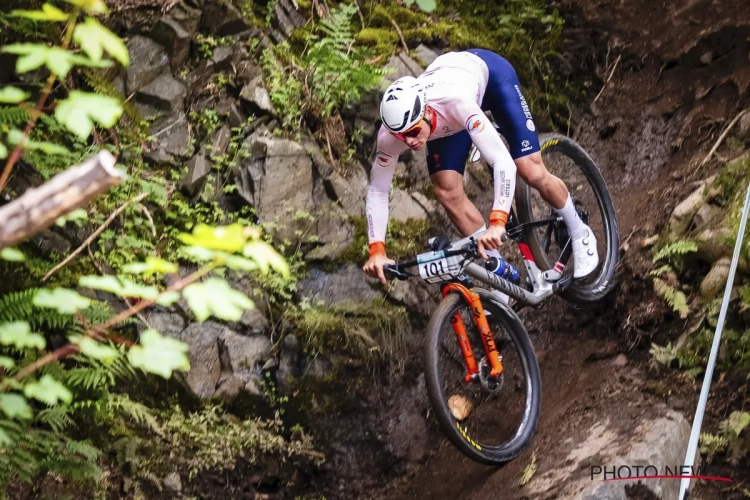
482 375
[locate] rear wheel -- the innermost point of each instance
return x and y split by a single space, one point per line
489 419
567 160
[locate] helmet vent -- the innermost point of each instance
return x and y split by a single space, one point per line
417 111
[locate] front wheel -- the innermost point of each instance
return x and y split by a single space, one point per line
567 160
489 419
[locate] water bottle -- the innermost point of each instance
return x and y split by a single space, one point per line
504 269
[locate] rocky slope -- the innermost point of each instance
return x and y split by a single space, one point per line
665 96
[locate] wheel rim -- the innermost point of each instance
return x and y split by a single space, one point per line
586 199
487 418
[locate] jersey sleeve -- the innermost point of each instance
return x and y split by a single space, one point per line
386 157
495 153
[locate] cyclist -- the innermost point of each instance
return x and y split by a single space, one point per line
444 109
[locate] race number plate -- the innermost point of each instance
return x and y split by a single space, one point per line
435 267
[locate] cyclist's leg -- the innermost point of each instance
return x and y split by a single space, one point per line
504 98
446 160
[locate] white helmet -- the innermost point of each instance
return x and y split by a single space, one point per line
403 104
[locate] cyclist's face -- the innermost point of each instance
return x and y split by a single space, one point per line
416 137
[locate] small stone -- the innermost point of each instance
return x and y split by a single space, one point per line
620 360
173 482
149 60
705 215
175 40
707 58
223 19
164 93
426 54
257 95
743 127
716 279
198 169
220 142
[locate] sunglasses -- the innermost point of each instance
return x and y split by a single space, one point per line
411 133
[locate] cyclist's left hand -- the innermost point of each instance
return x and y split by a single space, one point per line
491 238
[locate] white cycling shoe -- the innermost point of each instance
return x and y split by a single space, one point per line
585 255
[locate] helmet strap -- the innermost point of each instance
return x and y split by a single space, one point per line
432 126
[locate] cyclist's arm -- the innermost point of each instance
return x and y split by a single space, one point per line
388 150
495 153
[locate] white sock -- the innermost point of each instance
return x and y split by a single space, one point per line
571 218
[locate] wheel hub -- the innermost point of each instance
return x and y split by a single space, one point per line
490 383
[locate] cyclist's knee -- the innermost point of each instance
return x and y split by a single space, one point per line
449 196
532 170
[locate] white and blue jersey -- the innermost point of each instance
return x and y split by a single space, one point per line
460 87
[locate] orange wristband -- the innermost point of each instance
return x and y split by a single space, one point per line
377 248
498 218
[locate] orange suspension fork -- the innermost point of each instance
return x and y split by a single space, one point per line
496 366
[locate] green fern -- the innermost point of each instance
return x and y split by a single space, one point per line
19 306
13 116
675 298
681 247
56 418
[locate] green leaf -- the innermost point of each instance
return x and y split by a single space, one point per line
197 254
215 296
427 5
81 109
48 13
78 216
240 263
168 298
152 265
120 286
265 255
15 135
64 300
18 334
15 406
7 363
90 347
48 390
12 255
3 151
228 238
57 60
12 95
94 7
158 354
94 39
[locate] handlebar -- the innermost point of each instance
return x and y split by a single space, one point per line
398 270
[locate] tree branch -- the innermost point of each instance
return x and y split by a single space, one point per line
36 113
38 208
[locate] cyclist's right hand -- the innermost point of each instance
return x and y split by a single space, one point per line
374 267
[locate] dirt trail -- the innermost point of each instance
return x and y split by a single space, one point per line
679 73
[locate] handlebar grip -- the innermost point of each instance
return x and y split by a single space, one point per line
393 271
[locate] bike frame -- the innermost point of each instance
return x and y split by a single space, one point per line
541 290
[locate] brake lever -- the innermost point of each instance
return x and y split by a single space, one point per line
394 271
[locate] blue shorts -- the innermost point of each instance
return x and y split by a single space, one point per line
504 98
